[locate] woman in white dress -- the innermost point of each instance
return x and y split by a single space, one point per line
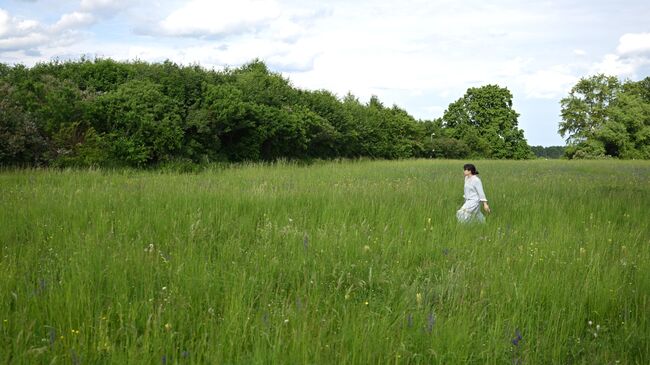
474 196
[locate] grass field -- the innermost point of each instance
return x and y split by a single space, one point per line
333 263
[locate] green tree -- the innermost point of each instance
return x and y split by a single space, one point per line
340 141
604 117
486 122
584 111
627 132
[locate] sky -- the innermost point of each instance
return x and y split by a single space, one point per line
419 55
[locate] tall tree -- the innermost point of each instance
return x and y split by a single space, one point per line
585 109
604 117
486 122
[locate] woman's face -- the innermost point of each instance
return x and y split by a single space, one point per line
467 173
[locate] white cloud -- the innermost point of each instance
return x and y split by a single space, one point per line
103 6
615 65
26 41
16 34
632 53
29 35
549 83
579 52
73 20
285 29
219 17
5 22
278 56
634 44
514 67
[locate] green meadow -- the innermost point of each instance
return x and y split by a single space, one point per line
329 263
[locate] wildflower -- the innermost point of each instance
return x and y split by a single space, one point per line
366 303
590 323
305 241
409 320
418 299
168 327
286 321
430 322
164 257
515 341
52 336
42 285
366 248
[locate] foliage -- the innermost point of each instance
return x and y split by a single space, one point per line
604 117
21 141
142 125
485 120
445 147
548 152
102 112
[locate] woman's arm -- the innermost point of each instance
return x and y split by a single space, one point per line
481 194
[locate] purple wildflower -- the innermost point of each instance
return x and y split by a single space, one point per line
515 341
42 285
265 319
430 322
52 334
409 320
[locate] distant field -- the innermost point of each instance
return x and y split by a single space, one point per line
333 263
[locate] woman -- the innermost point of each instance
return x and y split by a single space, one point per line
474 195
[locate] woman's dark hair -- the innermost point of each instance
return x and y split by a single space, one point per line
470 167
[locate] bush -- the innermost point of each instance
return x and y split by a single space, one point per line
449 148
21 141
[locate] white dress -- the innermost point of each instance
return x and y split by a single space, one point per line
474 195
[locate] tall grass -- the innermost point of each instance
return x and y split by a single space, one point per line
341 262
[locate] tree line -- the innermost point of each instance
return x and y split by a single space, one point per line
552 152
103 112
